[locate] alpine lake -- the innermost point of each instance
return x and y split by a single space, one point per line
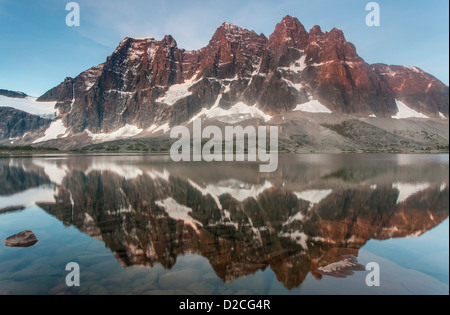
142 224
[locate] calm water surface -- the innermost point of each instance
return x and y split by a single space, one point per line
145 225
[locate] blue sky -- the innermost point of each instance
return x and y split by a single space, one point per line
38 50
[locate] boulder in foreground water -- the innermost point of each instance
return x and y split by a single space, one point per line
22 239
341 269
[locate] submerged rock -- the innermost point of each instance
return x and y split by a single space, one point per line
341 269
22 239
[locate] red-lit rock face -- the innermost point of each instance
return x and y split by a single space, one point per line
137 82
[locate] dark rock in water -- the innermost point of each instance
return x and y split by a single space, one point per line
22 239
11 209
341 269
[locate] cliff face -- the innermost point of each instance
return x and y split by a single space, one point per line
16 125
418 89
146 82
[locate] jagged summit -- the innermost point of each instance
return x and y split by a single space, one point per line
153 84
231 27
234 33
289 32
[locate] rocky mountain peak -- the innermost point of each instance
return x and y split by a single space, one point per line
417 88
337 34
234 34
168 40
289 32
230 27
315 33
291 23
147 82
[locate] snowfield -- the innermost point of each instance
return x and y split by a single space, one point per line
55 131
178 212
405 112
314 196
128 131
237 113
407 190
175 93
313 106
30 105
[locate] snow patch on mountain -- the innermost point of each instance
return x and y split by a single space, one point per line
407 190
297 86
406 112
175 93
164 128
297 217
126 171
415 69
205 192
237 113
225 220
128 131
238 190
206 111
158 128
152 128
313 106
54 131
55 173
313 196
30 105
298 237
154 174
297 66
178 212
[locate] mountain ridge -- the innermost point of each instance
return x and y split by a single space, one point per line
154 85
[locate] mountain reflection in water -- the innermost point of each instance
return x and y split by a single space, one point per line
311 213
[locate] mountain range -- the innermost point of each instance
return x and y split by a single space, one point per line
312 84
